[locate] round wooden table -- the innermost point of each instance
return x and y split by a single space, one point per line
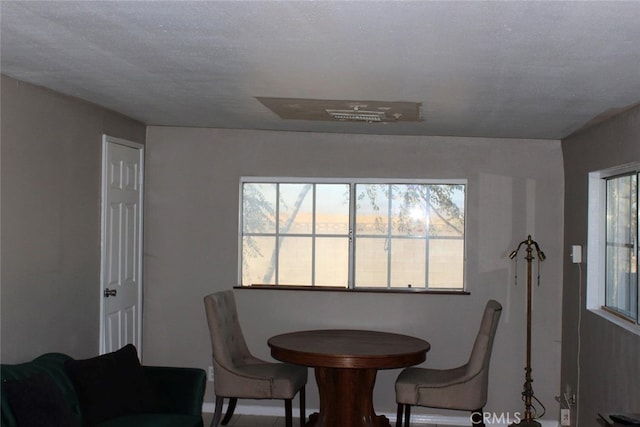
346 362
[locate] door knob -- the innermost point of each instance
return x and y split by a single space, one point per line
110 292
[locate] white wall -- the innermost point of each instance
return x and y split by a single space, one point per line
515 188
600 359
51 166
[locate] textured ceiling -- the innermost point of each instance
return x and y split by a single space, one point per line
492 69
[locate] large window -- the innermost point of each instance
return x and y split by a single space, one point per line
612 269
352 233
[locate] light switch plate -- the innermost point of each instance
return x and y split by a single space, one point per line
576 254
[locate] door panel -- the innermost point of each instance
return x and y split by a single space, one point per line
121 284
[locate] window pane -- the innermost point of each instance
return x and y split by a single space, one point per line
621 264
446 263
332 261
258 260
258 208
408 263
409 210
446 206
332 209
371 262
620 200
621 281
372 209
296 207
295 261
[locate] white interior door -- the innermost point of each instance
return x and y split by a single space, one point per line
121 266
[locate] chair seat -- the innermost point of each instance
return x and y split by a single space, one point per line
436 388
284 380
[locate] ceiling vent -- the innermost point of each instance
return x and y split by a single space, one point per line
357 115
344 111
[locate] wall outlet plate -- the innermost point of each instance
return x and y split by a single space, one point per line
565 417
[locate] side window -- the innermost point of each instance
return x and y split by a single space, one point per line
621 252
612 257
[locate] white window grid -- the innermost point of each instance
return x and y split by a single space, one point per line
352 182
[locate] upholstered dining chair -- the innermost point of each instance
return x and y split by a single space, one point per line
239 375
463 388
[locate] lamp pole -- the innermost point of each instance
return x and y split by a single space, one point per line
527 393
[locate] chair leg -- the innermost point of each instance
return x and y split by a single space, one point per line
217 412
477 418
288 413
230 408
407 415
303 416
399 415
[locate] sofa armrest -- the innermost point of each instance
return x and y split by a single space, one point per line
180 389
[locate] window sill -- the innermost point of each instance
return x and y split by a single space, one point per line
360 290
625 324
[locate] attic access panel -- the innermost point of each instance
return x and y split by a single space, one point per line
342 110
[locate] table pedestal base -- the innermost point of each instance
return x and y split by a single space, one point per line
346 399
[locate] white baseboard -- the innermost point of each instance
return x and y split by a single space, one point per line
435 419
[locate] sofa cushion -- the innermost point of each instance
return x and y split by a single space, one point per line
112 385
37 402
53 365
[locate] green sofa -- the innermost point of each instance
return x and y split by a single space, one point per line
181 391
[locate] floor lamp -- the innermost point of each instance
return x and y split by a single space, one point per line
527 393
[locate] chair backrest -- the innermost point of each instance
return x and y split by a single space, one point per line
482 347
227 341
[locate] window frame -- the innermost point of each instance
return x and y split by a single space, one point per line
351 182
596 247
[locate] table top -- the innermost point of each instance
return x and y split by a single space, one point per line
348 348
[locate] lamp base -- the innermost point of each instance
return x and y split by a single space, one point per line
526 423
